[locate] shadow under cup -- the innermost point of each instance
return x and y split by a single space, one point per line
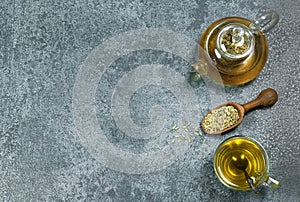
234 178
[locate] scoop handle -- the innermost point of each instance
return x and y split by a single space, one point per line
266 98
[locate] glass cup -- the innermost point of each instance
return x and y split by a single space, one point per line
254 159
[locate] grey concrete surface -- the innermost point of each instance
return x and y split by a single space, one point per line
46 155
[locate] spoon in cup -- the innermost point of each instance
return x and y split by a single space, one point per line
241 163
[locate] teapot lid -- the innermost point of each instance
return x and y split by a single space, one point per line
235 41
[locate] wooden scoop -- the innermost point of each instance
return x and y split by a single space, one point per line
266 98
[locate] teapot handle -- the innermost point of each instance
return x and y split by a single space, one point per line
265 23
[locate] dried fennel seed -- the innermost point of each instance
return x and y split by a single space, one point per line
232 47
175 127
186 131
221 118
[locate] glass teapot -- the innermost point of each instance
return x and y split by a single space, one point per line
236 47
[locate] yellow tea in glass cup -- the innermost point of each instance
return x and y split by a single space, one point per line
240 148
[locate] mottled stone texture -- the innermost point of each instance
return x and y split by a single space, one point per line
43 44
